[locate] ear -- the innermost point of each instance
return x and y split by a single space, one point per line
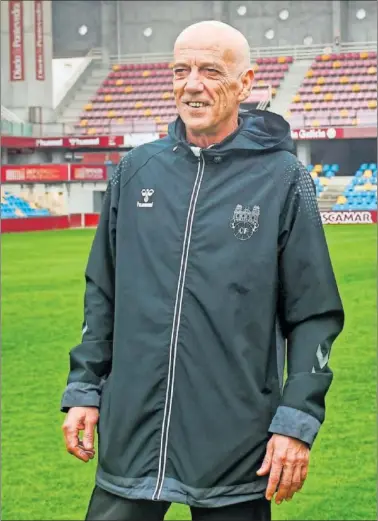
247 81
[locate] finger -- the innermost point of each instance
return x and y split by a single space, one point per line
296 483
267 463
88 437
80 453
274 478
304 471
285 484
71 436
91 452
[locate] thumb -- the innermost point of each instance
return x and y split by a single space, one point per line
266 464
88 438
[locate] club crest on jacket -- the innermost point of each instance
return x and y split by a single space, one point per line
245 221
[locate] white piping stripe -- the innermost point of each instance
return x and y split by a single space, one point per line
179 284
178 324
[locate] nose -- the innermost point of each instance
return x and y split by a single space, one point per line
194 83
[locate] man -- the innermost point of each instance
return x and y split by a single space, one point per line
209 247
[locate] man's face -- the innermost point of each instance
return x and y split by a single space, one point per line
207 87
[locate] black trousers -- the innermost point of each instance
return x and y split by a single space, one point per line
106 506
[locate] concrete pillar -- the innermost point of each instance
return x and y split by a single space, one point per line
110 40
26 77
304 152
336 25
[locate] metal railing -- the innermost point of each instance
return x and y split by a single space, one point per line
298 52
13 128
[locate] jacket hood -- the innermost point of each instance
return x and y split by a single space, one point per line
258 131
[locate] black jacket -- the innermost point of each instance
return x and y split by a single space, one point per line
202 263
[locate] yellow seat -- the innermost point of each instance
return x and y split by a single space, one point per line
341 199
367 173
318 169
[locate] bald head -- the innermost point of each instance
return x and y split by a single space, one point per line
230 43
212 75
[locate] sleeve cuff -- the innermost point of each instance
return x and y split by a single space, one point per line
296 424
78 394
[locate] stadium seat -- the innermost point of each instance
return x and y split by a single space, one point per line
361 192
336 82
15 206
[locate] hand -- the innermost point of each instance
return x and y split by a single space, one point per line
80 419
287 460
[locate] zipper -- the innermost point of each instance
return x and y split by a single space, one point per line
176 327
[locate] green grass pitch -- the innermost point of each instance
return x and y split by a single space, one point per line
42 297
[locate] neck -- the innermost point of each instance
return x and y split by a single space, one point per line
204 140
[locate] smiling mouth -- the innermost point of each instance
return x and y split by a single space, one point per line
196 104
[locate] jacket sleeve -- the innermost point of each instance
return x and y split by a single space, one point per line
309 309
90 361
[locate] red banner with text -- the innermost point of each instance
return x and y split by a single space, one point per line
16 41
88 173
35 173
38 41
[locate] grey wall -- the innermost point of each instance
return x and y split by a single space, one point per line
67 17
361 30
119 28
305 18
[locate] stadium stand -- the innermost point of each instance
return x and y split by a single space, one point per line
338 90
31 204
361 192
138 97
321 174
